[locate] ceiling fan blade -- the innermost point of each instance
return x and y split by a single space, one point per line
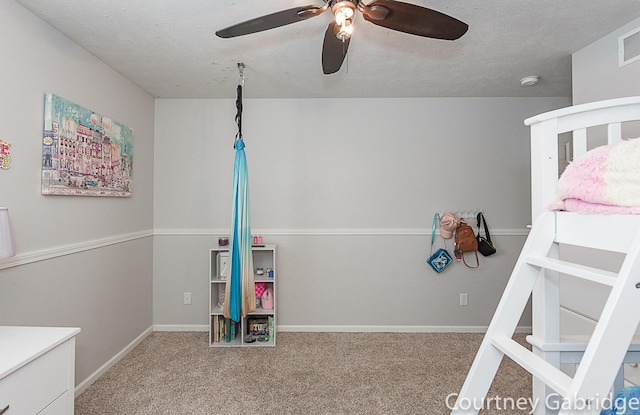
271 21
333 50
413 19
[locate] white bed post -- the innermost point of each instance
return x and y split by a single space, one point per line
544 165
546 294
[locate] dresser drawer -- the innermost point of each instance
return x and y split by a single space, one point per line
37 384
59 407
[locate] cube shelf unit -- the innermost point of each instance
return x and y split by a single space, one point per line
264 256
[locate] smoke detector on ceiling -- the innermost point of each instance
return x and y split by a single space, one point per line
529 80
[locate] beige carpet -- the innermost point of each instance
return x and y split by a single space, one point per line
306 373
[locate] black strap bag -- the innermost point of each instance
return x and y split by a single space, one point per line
485 246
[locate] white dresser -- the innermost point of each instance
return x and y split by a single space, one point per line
37 370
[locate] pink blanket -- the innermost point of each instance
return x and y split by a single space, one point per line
604 180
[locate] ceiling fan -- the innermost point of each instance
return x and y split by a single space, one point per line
394 15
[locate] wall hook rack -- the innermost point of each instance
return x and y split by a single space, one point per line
467 213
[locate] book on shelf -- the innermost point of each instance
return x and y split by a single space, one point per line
224 330
271 324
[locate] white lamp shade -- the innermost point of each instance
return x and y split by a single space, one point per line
6 244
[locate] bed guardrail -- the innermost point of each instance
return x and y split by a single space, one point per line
547 127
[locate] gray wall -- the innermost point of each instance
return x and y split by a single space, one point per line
81 261
347 188
597 76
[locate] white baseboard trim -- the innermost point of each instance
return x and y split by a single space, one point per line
350 329
180 327
392 329
115 359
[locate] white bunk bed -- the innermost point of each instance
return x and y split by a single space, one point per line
600 357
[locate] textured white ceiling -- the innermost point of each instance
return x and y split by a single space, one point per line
169 47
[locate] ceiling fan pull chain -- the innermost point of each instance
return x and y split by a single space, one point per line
347 59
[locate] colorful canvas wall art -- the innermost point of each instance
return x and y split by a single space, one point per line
84 153
5 154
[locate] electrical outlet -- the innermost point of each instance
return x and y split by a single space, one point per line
187 298
464 299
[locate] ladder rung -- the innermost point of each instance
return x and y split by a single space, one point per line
538 367
577 270
574 343
572 347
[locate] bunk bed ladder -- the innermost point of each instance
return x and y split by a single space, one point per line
603 355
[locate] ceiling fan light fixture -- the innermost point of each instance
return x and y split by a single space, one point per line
343 14
344 11
346 29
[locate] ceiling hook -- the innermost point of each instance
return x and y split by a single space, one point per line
241 72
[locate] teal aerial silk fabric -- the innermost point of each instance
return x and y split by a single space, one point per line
240 285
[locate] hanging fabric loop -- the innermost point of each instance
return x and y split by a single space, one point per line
239 114
239 102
